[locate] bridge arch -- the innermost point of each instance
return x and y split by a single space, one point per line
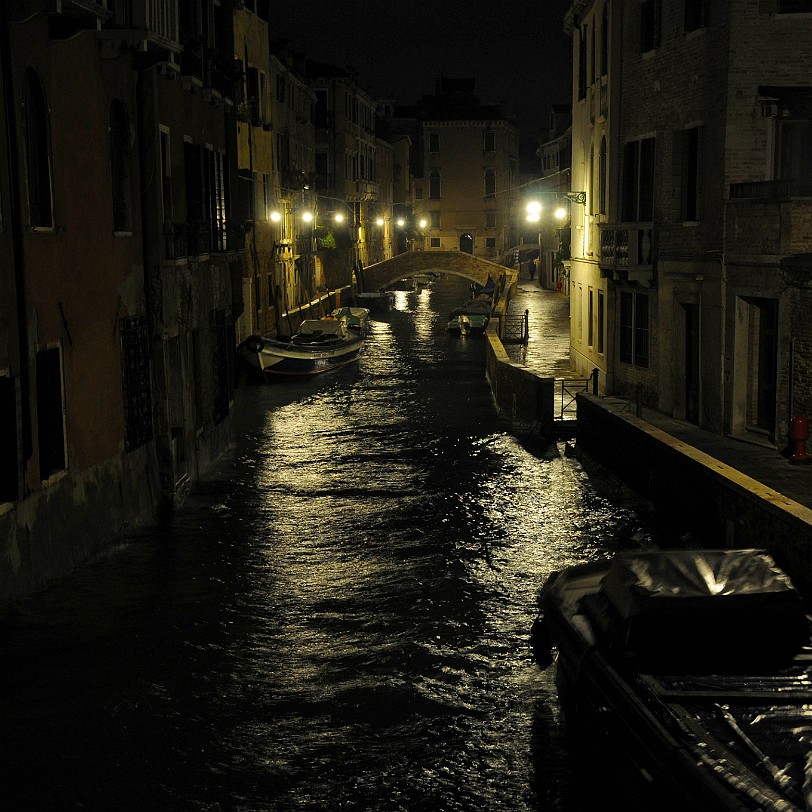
383 275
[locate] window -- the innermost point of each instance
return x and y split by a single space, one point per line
37 153
490 242
638 181
489 141
252 92
695 12
582 64
601 320
166 176
605 39
50 413
649 25
602 180
634 328
266 195
793 160
490 219
435 242
9 489
689 146
490 183
434 142
216 197
136 382
434 185
590 315
434 219
120 168
590 190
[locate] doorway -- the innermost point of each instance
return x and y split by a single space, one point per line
691 325
756 365
467 243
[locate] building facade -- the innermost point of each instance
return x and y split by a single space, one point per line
120 270
691 137
469 167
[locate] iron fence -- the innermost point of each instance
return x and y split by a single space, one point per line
567 391
516 329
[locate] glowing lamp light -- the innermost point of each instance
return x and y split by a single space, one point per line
276 216
401 221
339 218
423 223
307 216
379 221
560 213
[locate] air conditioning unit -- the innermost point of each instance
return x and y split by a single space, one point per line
769 109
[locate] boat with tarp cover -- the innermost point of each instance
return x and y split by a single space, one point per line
688 673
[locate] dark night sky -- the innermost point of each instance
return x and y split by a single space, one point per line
517 51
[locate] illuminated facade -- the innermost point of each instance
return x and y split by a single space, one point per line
691 137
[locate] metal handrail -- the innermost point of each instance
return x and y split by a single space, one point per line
567 391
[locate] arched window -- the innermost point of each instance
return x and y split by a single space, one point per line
37 153
120 167
490 183
434 185
602 177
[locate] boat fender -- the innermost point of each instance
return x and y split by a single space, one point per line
541 643
253 344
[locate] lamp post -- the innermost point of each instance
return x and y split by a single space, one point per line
563 201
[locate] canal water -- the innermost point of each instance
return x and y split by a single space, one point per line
337 619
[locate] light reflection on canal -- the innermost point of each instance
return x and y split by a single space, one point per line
337 620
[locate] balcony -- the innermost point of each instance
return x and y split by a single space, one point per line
627 252
769 218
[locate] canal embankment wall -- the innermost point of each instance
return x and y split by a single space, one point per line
522 395
701 498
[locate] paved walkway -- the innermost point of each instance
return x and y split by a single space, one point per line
547 352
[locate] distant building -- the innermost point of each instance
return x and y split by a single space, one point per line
346 179
692 257
466 168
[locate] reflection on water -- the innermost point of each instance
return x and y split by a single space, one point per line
337 619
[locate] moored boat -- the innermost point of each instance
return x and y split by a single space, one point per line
688 673
356 318
319 345
472 317
379 300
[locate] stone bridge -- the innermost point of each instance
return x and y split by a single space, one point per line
383 275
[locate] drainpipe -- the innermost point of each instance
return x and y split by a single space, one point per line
18 252
699 376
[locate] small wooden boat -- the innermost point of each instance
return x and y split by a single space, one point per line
356 318
688 674
380 300
319 345
472 317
